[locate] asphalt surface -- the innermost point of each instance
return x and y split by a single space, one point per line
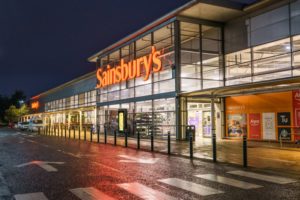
122 173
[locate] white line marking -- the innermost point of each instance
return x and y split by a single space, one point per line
31 196
130 159
108 167
191 187
268 178
145 192
228 181
43 164
90 193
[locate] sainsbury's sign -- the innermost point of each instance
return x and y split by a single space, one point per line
130 70
35 105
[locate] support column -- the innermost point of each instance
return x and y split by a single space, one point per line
213 130
80 120
69 120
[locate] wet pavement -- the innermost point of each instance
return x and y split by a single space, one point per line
41 167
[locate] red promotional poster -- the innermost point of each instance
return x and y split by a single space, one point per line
296 107
254 126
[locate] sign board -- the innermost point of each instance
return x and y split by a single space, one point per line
269 132
35 105
254 126
296 109
122 120
284 119
130 70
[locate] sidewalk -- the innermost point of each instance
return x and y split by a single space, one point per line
264 155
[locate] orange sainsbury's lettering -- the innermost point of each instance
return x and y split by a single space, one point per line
130 70
35 105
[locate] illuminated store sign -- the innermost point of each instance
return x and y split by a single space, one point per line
130 70
35 105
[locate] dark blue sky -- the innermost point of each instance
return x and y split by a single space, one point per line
44 43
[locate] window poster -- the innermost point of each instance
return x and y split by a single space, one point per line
237 125
269 132
254 126
284 119
284 133
296 108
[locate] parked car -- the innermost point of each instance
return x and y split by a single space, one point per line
35 125
24 126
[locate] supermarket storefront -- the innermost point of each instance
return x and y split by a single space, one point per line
225 74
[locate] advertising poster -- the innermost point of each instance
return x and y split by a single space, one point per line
285 133
237 125
284 119
269 132
296 108
254 126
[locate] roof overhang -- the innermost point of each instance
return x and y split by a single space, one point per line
210 10
279 85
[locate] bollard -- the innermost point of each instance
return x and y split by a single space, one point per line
98 134
191 145
54 131
65 132
152 140
79 132
91 133
138 140
69 132
115 141
169 142
105 135
74 133
126 138
214 146
245 158
84 133
39 130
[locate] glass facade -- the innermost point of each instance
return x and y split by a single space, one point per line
270 61
76 101
201 57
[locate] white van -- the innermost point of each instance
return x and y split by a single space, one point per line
34 125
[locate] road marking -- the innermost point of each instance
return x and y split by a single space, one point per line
145 192
108 167
90 193
130 159
228 181
31 196
262 177
4 191
43 164
191 187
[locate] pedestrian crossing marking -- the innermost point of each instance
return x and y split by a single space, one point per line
228 181
262 177
191 187
31 196
90 193
145 192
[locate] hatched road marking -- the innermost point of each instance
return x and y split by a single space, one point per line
262 177
145 192
31 196
191 187
90 193
229 181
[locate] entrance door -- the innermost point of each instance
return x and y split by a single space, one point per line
206 124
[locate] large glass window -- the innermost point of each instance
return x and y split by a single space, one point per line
201 54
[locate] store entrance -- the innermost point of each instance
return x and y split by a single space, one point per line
199 114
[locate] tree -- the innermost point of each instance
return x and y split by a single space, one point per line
13 113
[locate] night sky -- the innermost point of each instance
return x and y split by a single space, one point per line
44 43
